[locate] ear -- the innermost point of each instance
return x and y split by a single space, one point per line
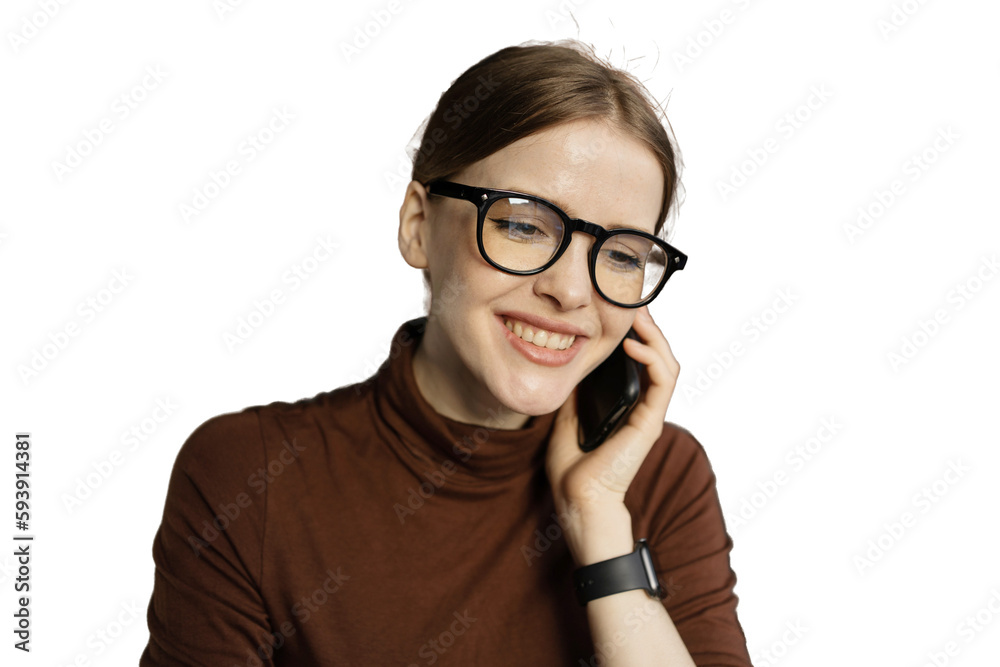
414 228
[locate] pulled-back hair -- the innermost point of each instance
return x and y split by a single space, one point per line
521 90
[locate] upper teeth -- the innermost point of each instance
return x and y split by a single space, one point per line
539 337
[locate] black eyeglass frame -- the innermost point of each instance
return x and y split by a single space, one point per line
484 197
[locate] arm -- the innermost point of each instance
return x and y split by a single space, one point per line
206 607
628 628
674 499
674 503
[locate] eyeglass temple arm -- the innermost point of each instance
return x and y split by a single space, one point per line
449 189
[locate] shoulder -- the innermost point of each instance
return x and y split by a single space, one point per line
677 456
221 441
230 444
678 442
327 419
675 474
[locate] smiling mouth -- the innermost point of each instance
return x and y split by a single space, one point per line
538 337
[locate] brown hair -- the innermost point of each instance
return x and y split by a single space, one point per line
520 90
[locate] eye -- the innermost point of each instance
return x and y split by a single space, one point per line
621 260
518 230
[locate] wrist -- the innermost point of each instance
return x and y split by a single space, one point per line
601 534
617 575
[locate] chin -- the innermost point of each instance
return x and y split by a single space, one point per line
539 401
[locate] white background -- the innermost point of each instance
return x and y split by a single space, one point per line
337 171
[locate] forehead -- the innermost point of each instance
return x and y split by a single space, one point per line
588 168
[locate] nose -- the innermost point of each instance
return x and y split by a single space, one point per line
568 280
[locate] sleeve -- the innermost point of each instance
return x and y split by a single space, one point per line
206 607
682 516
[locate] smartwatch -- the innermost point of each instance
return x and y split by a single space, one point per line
616 575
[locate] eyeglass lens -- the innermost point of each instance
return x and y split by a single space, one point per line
522 235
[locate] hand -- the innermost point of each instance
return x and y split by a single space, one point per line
590 486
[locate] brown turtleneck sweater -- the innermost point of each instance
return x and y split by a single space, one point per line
361 527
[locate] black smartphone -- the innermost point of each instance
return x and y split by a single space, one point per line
606 396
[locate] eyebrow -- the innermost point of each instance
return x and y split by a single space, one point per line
568 212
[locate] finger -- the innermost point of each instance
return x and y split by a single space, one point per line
663 380
654 340
659 370
651 335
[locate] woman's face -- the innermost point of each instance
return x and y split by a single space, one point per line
469 361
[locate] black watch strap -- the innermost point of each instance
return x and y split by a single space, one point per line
615 575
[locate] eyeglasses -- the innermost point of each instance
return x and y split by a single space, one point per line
524 234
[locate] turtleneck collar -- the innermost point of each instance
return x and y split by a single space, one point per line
426 440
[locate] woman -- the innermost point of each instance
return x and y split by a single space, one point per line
443 510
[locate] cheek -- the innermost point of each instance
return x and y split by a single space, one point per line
448 260
475 279
462 286
614 321
454 250
615 326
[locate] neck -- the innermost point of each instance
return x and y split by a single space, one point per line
444 385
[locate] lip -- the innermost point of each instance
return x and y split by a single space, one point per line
545 323
542 356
